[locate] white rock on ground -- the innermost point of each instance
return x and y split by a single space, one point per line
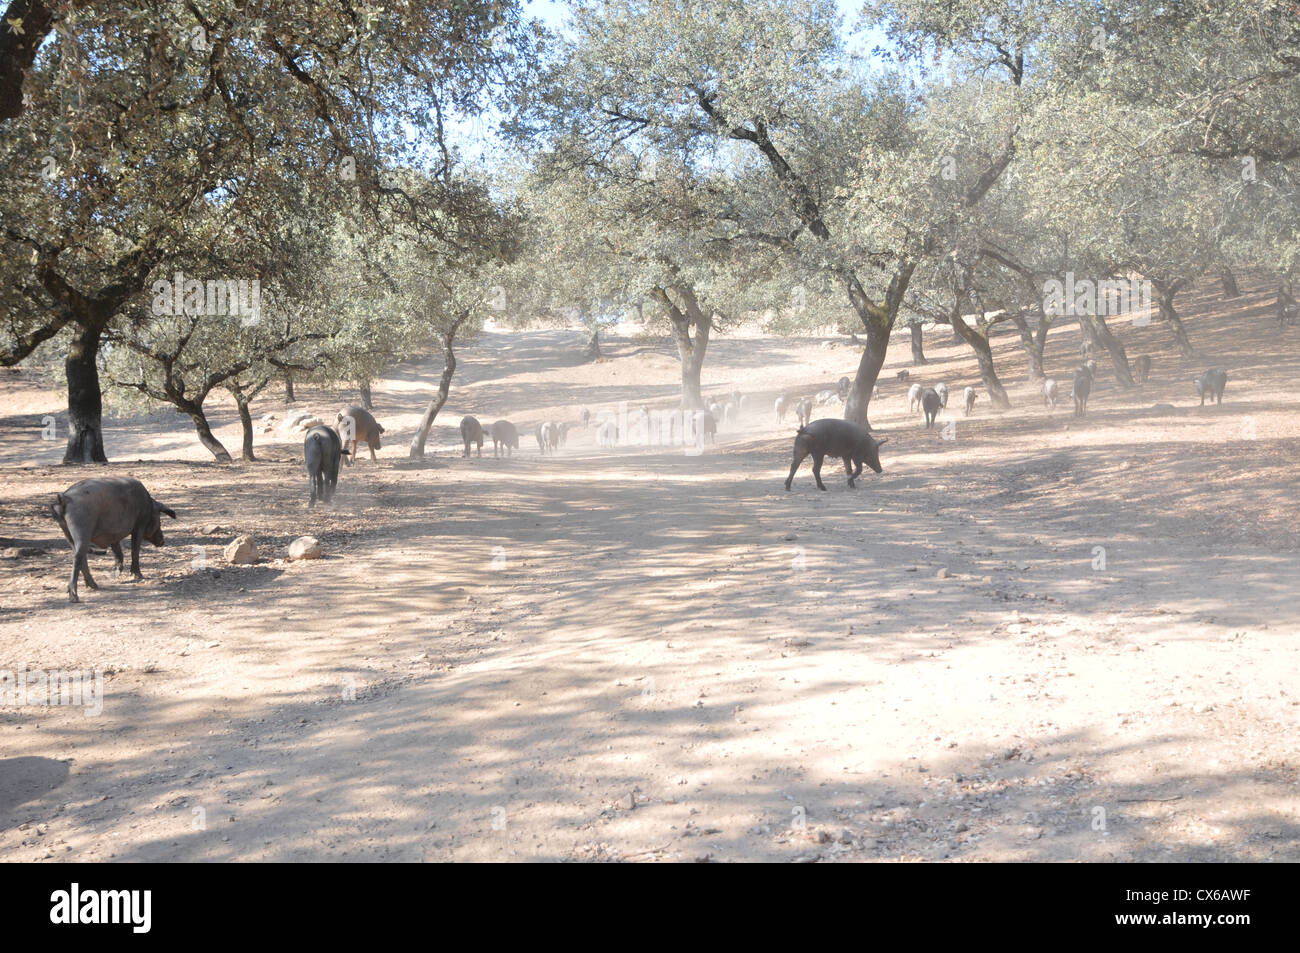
305 547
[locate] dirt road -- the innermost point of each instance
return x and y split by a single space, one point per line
1041 640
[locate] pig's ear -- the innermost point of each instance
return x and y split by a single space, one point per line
166 509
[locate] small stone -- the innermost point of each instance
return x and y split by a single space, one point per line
943 573
305 547
241 550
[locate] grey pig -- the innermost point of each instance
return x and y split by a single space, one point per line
471 431
1211 385
504 434
321 452
931 403
1082 390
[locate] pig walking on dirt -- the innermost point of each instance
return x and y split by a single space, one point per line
1211 385
504 435
1082 390
803 410
321 451
102 512
706 427
782 407
1143 368
357 425
835 438
969 396
931 403
1050 391
471 431
914 398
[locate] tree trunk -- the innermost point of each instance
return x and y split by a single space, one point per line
436 403
592 350
1166 295
1040 342
288 388
245 422
195 411
918 355
979 343
690 353
367 401
878 319
858 405
85 399
1032 343
1230 289
1094 329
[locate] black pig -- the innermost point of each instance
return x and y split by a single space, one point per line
837 438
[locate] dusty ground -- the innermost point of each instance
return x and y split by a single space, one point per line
638 654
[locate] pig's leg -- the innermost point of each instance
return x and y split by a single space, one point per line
78 557
817 469
81 563
135 556
798 459
371 448
848 468
117 556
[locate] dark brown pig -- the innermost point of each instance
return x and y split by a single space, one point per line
835 438
103 511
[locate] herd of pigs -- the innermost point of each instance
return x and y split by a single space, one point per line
102 512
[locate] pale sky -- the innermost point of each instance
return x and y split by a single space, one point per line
474 134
